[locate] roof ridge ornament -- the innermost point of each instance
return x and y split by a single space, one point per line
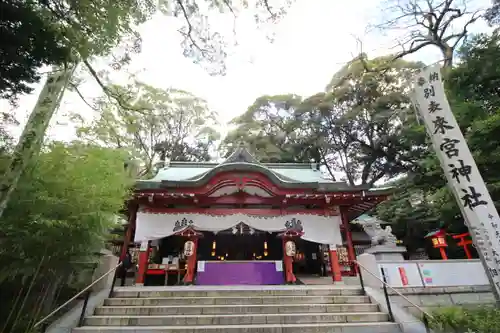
242 155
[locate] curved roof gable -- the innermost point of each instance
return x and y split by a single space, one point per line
189 174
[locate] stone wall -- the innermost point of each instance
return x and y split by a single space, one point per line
107 262
430 298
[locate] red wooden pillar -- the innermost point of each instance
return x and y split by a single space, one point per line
190 251
143 263
288 263
127 237
334 264
191 262
351 254
126 241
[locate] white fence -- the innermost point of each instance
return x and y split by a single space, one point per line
433 273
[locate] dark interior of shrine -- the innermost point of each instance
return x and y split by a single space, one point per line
234 244
229 246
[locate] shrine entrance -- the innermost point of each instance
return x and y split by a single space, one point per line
240 243
240 255
311 259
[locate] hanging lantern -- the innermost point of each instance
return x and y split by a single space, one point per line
290 249
188 248
214 245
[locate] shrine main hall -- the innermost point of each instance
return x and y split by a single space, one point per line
242 222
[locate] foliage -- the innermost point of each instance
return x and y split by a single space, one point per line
49 32
161 124
201 42
361 120
271 130
28 42
57 220
477 319
357 126
6 120
62 208
493 13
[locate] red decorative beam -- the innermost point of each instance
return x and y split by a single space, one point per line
232 211
244 198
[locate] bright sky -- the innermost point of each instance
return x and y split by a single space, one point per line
312 43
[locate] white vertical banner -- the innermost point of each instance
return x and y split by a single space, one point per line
460 168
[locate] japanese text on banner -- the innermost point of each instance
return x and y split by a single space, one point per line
459 166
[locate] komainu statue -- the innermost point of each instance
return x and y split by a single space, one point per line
378 235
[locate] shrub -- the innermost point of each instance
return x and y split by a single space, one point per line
456 319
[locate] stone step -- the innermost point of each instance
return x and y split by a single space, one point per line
229 309
238 300
377 327
239 293
236 319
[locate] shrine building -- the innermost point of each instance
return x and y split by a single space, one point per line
244 222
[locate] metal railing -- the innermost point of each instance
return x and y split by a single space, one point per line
425 315
87 292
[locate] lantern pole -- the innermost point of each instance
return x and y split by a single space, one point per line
443 253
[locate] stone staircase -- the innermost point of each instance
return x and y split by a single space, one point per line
239 309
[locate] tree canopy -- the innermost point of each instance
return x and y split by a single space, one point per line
29 42
364 127
356 126
159 125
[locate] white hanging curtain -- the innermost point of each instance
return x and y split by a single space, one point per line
318 229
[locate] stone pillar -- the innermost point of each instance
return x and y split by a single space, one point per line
106 262
143 262
388 252
334 264
368 262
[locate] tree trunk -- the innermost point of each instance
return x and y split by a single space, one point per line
448 56
33 134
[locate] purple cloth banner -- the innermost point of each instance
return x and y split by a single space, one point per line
224 273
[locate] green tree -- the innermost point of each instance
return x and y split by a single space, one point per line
271 130
493 13
29 42
161 124
93 28
357 126
90 29
360 120
61 211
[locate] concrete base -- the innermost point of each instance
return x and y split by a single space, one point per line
384 252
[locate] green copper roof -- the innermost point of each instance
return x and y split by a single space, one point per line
179 171
293 175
